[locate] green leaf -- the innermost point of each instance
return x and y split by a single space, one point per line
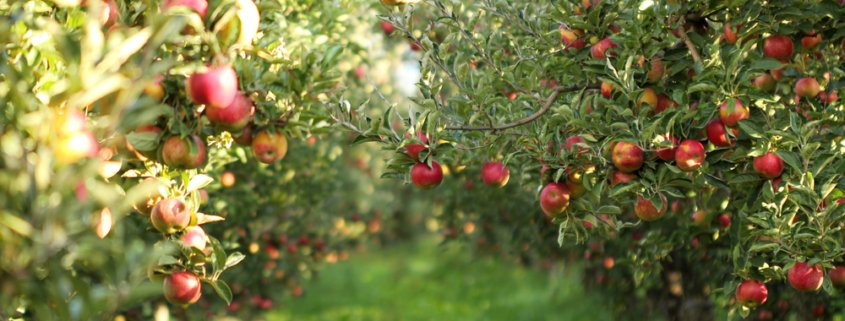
791 159
219 254
234 259
702 86
744 178
766 64
144 142
609 209
222 290
763 247
199 181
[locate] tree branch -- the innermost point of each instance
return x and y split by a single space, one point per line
548 105
683 33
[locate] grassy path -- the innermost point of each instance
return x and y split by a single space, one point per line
423 282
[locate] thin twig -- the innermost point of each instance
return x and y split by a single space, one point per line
686 39
518 24
546 107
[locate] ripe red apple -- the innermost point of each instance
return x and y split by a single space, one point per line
200 6
818 311
730 36
648 97
495 174
269 149
647 211
627 157
810 43
234 117
828 99
182 288
187 153
739 112
415 46
667 153
571 141
427 178
700 217
664 103
765 315
752 293
716 133
215 87
554 199
154 88
768 166
837 277
606 90
724 220
777 74
598 50
170 215
75 146
766 82
195 237
621 177
778 47
689 155
69 121
807 88
570 38
387 27
655 72
805 278
783 305
414 150
244 138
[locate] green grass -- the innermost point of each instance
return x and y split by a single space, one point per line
423 282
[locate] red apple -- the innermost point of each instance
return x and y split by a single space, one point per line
627 157
807 88
598 50
667 153
234 117
194 237
837 277
828 99
606 90
739 112
269 149
69 121
227 179
415 46
689 155
182 288
766 82
387 27
414 150
700 217
571 141
570 38
576 190
777 74
752 293
187 153
730 36
783 305
810 43
716 133
75 146
664 103
655 72
244 138
805 278
768 166
170 215
200 6
724 220
778 47
621 177
647 211
648 97
427 178
554 199
215 87
765 315
495 174
818 311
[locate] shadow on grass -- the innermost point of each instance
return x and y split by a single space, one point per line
424 282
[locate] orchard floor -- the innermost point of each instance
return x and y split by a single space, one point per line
422 281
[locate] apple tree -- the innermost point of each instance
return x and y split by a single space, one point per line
612 113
